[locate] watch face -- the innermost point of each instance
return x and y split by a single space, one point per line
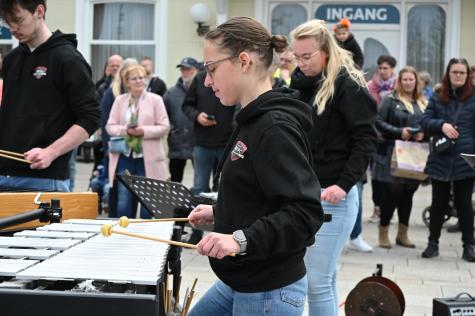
239 235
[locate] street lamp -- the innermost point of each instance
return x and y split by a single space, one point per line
201 14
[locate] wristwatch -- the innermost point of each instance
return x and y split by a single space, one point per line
240 238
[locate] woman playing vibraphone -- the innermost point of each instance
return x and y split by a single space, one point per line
268 208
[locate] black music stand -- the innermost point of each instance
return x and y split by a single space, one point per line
163 198
469 158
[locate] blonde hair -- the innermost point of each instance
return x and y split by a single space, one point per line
338 59
417 94
131 70
117 82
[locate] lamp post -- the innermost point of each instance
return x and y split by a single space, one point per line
201 14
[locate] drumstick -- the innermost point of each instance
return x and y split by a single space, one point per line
124 221
11 153
107 230
190 297
14 158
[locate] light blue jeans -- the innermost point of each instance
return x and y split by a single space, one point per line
221 300
10 183
358 224
322 257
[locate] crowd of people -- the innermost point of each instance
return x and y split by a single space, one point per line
288 130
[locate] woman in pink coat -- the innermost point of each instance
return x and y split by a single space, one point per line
141 118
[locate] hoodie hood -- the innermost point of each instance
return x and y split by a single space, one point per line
281 99
55 40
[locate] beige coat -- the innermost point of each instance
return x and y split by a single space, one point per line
153 119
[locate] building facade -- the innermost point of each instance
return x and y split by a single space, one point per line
421 33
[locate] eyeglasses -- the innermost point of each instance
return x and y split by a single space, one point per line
458 73
210 71
136 78
305 58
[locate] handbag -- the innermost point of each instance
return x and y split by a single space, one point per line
409 160
118 145
441 144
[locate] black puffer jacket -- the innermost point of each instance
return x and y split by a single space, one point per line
449 166
343 137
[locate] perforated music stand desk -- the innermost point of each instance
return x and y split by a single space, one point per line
163 198
469 158
169 199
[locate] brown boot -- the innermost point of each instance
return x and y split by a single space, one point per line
383 237
402 239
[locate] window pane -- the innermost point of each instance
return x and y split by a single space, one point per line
285 17
123 21
372 50
100 54
426 39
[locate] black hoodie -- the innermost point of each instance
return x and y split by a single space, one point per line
45 92
343 137
269 190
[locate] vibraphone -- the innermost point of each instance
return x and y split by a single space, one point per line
70 269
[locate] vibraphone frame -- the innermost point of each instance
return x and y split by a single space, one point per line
53 297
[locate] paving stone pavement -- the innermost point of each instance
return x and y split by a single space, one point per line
419 279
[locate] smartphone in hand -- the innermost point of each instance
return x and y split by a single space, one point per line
210 117
414 130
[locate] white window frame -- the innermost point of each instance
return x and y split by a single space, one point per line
263 9
84 30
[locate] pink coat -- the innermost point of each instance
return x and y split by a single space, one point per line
153 119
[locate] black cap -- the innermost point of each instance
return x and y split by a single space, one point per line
188 62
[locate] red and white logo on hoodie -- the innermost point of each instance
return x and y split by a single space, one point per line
238 151
39 72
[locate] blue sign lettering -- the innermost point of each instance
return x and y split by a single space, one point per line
365 13
5 33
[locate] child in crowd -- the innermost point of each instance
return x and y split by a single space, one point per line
99 183
347 41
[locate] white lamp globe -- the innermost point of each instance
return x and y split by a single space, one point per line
200 13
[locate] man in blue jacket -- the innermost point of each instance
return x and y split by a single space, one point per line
49 103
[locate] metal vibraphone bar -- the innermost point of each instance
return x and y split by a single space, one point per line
70 269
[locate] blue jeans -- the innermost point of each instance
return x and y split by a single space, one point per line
9 183
357 228
125 201
101 187
222 300
322 257
204 160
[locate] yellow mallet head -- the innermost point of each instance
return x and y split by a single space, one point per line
106 230
124 222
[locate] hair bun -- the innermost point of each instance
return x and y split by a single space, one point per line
278 43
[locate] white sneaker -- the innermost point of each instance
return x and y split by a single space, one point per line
374 218
359 244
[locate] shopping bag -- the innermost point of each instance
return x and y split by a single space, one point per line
409 160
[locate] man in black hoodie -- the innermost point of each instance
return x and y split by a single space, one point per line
49 102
